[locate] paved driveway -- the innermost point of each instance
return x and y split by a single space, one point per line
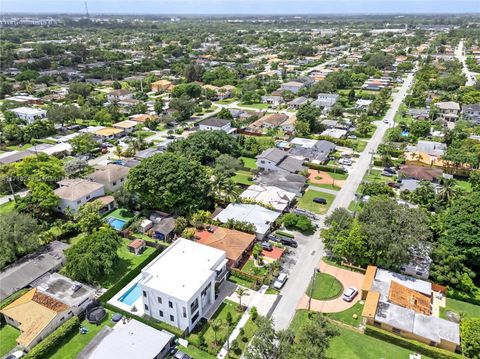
347 278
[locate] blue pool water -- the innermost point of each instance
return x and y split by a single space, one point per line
131 295
116 223
405 133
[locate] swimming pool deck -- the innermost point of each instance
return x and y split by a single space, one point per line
138 304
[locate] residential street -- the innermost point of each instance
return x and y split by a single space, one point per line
460 55
306 258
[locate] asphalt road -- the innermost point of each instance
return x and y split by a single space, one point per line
460 55
301 264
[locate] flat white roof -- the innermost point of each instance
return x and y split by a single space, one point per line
405 280
28 110
304 142
261 217
132 341
182 269
276 197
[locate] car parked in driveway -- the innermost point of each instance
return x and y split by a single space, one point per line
387 174
349 294
266 246
16 355
281 279
288 242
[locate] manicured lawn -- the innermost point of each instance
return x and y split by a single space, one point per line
248 331
121 213
259 106
74 344
251 268
459 307
195 353
325 185
8 337
127 262
19 148
243 177
7 207
338 176
375 176
225 331
325 287
306 202
360 145
353 345
240 281
249 162
465 185
226 101
347 315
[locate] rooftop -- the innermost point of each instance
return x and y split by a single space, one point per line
72 190
191 263
108 173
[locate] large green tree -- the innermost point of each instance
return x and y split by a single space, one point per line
206 146
18 236
268 343
171 183
392 230
94 256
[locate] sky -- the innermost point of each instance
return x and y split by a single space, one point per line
241 7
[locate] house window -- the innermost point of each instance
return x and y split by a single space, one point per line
121 179
146 306
194 305
396 330
144 293
62 318
172 319
114 183
159 300
377 324
78 202
184 312
170 304
88 197
194 318
161 313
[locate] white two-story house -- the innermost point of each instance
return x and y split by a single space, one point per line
178 287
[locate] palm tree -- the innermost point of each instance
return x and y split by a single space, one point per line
216 325
118 151
224 190
241 292
448 192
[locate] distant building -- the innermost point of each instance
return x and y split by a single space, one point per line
111 176
216 124
74 193
449 111
274 159
471 112
119 95
293 86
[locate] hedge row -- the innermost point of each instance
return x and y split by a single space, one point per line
13 297
327 168
127 278
154 324
423 349
454 294
54 339
285 234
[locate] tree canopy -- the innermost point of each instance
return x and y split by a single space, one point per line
171 183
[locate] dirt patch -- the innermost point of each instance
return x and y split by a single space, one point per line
321 177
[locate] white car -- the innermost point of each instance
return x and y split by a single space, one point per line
16 355
282 278
385 121
349 294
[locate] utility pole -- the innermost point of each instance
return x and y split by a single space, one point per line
11 188
86 10
312 284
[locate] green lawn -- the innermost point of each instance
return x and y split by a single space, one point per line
325 287
8 337
251 268
7 207
19 147
325 185
226 101
71 346
306 202
465 185
353 345
258 106
248 331
127 262
248 162
459 307
240 281
360 145
243 177
375 176
225 331
196 353
121 213
347 315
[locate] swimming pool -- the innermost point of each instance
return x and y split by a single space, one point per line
131 295
116 223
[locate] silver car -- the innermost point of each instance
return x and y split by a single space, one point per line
349 294
282 278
